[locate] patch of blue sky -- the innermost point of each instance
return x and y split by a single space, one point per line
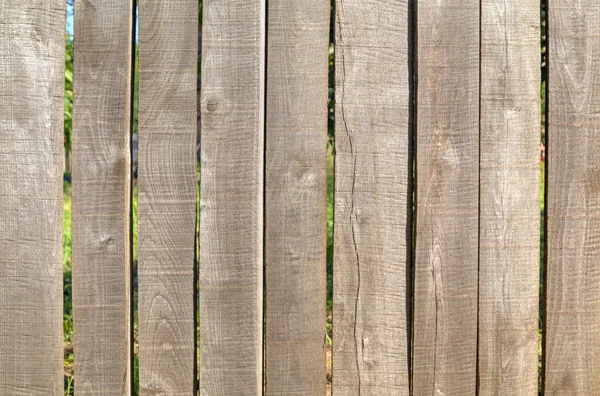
70 19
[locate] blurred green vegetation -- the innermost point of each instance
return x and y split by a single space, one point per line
68 92
68 292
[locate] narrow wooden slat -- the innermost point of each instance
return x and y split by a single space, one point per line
32 41
296 196
510 197
572 314
101 197
231 207
446 262
168 45
372 236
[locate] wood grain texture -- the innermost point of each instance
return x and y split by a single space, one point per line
446 262
572 315
168 45
231 206
296 196
32 42
510 198
101 197
372 233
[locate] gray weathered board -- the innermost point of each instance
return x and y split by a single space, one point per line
231 206
32 45
168 45
101 197
372 232
572 314
296 196
509 222
447 198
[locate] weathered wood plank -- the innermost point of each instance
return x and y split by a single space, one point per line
296 196
168 46
231 221
101 197
510 198
372 233
572 314
446 262
32 41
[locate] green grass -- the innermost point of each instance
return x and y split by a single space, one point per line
330 171
68 293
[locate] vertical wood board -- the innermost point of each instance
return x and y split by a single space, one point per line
509 242
447 198
232 189
101 197
572 314
373 199
296 196
168 45
32 41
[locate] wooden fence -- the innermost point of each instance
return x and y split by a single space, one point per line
437 198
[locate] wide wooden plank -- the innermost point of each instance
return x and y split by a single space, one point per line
572 314
296 196
32 41
168 45
446 279
509 241
101 197
372 233
231 207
